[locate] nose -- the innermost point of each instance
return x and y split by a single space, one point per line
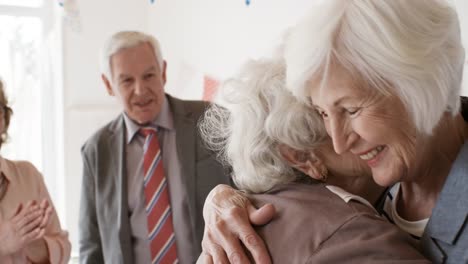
139 87
340 135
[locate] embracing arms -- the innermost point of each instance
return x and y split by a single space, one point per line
307 229
229 216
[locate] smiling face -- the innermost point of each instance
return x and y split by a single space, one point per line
347 171
345 164
138 82
374 127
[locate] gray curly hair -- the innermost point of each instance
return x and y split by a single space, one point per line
258 116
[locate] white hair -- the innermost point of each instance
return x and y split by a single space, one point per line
410 48
123 40
260 114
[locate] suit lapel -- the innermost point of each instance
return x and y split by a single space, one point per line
185 144
450 208
116 145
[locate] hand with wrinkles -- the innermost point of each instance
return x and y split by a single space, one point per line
26 226
229 217
37 250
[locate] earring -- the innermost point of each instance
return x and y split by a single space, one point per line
323 174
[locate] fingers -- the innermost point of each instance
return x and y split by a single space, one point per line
223 236
239 223
26 215
35 234
46 217
30 217
34 230
31 225
23 227
44 204
227 227
47 210
245 233
22 210
224 212
257 248
219 256
205 258
40 234
18 209
249 238
261 216
31 205
212 253
224 245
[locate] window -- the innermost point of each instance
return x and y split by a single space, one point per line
20 48
24 3
26 43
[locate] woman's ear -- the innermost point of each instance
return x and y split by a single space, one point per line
305 162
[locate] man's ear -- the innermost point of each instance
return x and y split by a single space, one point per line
306 162
107 84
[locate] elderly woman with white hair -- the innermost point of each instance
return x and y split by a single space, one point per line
276 145
386 77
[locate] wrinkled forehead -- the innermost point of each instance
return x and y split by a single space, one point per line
135 58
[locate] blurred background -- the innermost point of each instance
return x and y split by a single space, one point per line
49 62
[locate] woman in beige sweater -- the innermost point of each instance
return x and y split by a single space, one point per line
30 231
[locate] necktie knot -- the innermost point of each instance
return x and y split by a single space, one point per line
147 131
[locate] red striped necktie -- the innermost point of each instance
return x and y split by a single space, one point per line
158 209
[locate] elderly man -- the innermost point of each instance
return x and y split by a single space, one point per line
147 173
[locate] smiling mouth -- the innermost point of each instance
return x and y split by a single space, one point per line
143 103
372 153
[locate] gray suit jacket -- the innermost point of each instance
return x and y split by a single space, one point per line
104 217
445 239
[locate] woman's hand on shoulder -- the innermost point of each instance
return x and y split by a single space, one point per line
229 216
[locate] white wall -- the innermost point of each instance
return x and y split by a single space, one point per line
215 37
197 36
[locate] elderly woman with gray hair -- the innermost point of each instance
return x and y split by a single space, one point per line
385 76
276 145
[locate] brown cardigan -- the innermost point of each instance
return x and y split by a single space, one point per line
315 225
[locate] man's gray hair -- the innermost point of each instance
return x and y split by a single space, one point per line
123 40
410 48
258 115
